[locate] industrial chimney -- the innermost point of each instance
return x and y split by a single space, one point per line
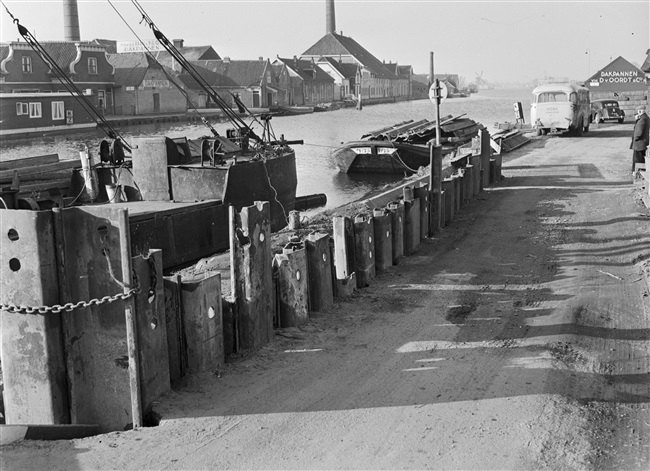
330 27
71 20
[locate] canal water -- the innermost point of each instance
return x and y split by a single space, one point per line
321 132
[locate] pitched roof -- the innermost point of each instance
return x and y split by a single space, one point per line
193 53
129 60
61 52
646 64
214 79
246 73
333 44
306 68
109 44
347 70
4 51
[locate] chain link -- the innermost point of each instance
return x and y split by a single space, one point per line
68 307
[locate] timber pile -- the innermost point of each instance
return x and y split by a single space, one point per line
36 177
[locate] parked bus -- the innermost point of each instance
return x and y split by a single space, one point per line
560 107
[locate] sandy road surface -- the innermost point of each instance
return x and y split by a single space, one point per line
518 339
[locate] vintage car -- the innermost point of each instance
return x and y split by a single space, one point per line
606 110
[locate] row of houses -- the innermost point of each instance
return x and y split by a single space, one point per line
122 81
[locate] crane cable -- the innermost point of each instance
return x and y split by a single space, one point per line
173 51
72 88
169 77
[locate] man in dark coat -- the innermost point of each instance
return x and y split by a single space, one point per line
641 137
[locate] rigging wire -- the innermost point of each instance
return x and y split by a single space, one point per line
169 77
175 53
70 86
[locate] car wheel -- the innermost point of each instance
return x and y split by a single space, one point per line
620 120
586 128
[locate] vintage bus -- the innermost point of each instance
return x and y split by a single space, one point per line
560 107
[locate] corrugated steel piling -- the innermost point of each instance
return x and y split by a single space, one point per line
450 199
251 273
319 271
435 186
33 364
422 193
344 256
383 239
397 229
364 248
411 222
203 323
290 268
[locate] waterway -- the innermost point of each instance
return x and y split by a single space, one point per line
321 132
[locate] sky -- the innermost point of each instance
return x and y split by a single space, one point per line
504 41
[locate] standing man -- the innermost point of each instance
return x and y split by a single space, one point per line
640 137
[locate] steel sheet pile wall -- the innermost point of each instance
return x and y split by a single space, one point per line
107 363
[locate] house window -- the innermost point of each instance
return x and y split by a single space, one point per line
35 110
101 99
27 64
92 65
57 110
22 109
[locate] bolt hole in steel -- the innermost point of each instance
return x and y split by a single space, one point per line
262 237
298 275
211 312
324 258
154 323
13 235
103 230
370 254
370 239
14 264
387 234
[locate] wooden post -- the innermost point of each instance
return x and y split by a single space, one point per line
383 239
364 247
319 270
397 230
131 324
435 185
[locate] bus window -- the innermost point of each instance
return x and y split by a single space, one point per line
551 97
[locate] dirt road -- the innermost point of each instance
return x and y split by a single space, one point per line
518 339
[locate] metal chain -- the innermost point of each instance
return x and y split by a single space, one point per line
67 307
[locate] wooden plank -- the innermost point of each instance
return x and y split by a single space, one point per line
29 161
177 355
45 169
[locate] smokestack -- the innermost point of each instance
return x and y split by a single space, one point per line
330 27
71 20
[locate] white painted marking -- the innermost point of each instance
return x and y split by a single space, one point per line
429 360
304 350
424 368
434 287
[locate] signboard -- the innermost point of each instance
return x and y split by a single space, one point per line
619 76
155 83
69 117
443 92
136 46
